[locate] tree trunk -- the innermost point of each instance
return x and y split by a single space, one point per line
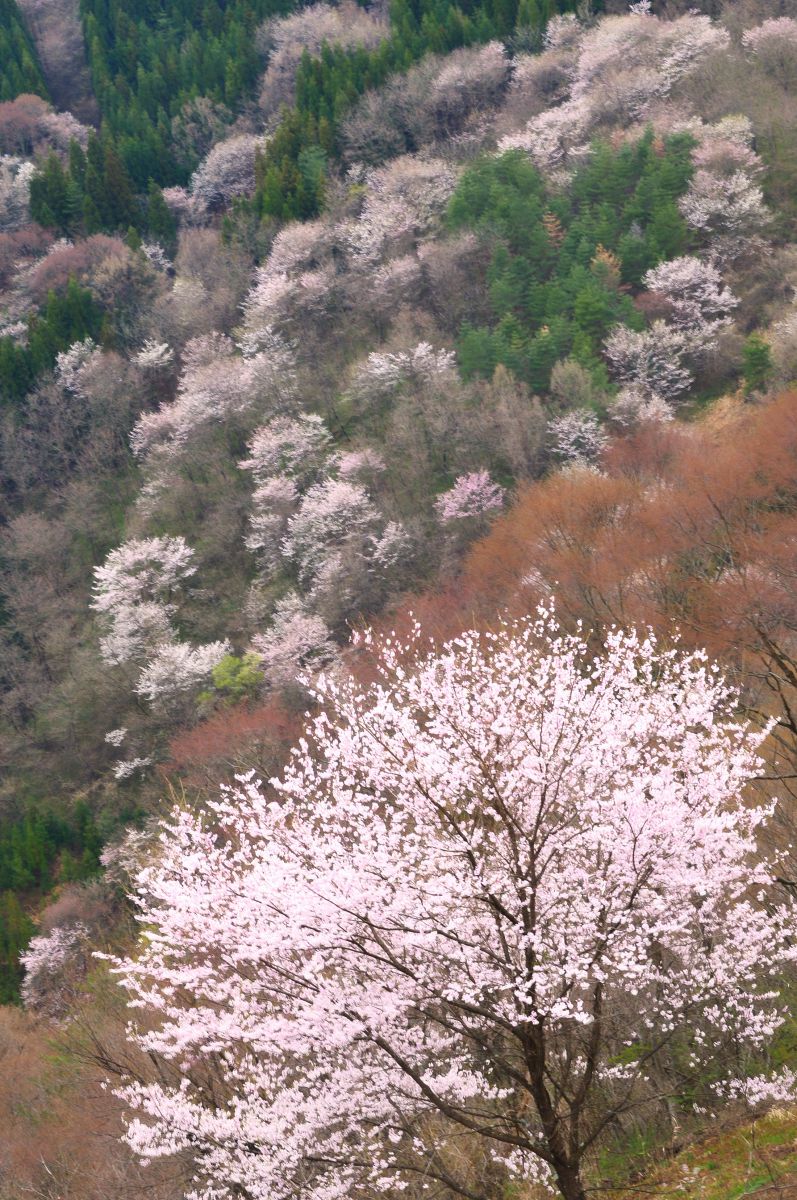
569 1180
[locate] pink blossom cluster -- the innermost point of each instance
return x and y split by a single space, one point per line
472 495
477 887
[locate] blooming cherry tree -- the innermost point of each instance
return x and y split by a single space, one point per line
699 302
383 372
774 44
483 899
273 502
472 495
633 406
404 200
47 962
228 171
331 513
295 446
728 209
15 179
177 668
134 589
70 364
651 361
577 436
154 356
296 643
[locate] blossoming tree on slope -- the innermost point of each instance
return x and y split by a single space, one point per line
485 900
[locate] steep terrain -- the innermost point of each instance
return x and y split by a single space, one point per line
319 318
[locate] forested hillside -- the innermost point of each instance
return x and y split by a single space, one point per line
398 430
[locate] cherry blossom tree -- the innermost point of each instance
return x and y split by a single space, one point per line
15 177
216 385
47 963
134 592
403 200
332 513
774 44
228 171
286 39
616 71
472 495
274 501
177 668
651 360
154 356
383 372
295 446
489 899
727 207
577 436
552 138
71 363
698 301
297 642
634 406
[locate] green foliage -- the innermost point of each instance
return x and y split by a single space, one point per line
160 221
62 321
149 58
92 193
16 930
563 265
290 174
238 678
757 363
19 67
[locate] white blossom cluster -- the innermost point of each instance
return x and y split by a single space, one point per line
15 177
618 69
135 593
382 373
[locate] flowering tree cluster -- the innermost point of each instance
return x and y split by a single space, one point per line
616 71
228 171
71 364
577 436
296 642
699 304
650 361
294 446
135 593
468 81
332 512
48 959
773 44
15 177
176 668
441 96
634 406
216 385
312 516
651 365
278 298
382 373
154 356
724 201
485 901
287 39
403 200
472 495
